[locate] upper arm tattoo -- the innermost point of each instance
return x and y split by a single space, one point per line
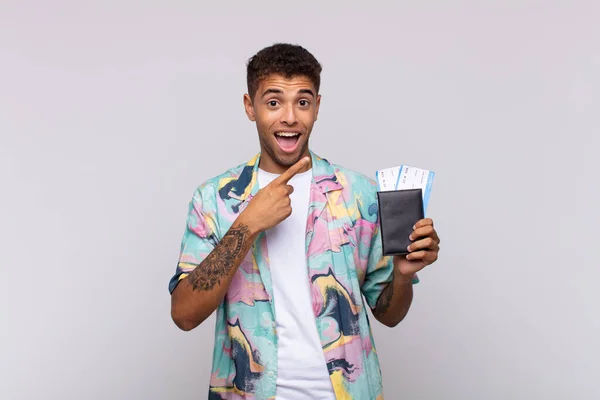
385 300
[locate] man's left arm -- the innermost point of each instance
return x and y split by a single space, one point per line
395 300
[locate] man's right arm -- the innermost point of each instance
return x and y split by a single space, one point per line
198 294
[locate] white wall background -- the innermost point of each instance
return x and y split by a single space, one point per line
111 113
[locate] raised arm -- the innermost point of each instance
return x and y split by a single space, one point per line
199 293
202 290
394 302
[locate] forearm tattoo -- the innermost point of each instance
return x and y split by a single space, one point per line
385 300
221 260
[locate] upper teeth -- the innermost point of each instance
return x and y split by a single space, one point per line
287 134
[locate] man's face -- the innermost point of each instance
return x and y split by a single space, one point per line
285 111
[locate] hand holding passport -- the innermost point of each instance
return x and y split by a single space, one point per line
403 196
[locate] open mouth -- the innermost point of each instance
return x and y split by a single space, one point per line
287 141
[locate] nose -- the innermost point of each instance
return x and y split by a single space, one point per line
288 115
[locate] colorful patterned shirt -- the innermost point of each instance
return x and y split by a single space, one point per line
344 264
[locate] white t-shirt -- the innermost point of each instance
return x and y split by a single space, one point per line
302 371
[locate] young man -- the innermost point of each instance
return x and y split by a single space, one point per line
285 247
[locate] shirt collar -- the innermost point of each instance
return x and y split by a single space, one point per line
324 176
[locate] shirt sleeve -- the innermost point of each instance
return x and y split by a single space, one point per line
380 269
199 237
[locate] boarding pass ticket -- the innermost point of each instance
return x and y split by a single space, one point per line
406 177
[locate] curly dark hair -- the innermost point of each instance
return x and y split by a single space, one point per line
286 59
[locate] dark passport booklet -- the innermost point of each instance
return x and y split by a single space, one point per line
399 211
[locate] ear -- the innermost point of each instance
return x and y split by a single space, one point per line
249 107
317 108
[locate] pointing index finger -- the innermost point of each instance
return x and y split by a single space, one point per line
293 170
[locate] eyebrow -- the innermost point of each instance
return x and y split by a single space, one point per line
279 91
307 91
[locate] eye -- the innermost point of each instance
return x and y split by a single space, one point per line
272 103
303 103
